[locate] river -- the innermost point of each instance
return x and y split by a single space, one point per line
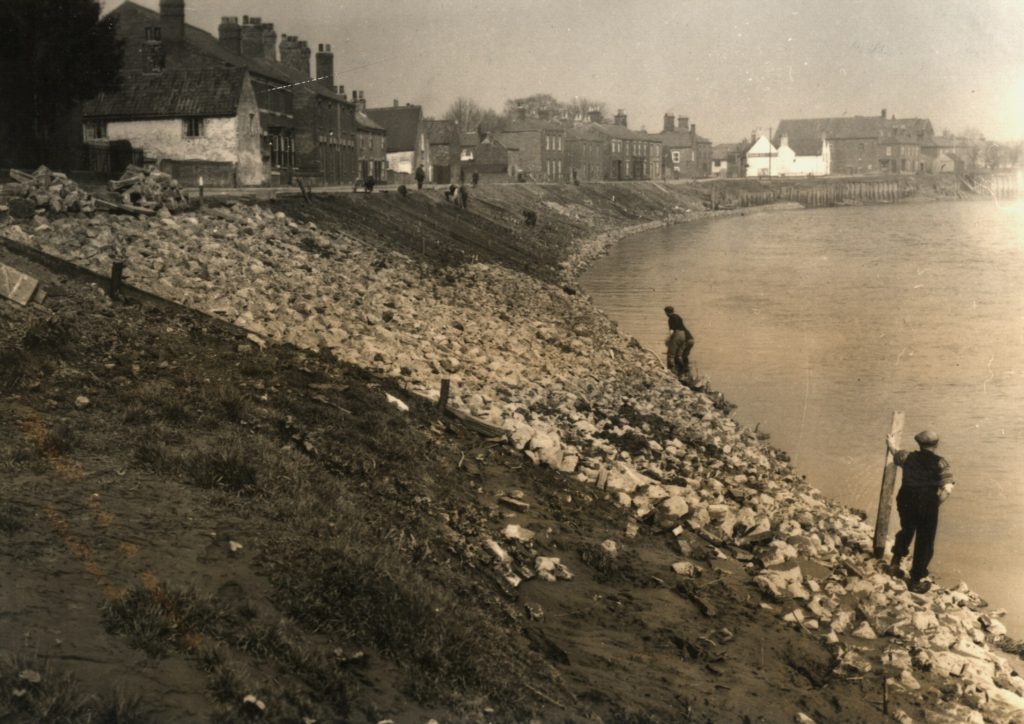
819 323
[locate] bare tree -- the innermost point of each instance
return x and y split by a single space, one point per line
471 116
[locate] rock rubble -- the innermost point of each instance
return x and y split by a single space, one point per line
574 395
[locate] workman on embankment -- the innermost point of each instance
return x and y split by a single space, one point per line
927 483
679 344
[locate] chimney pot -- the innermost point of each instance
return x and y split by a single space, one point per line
883 113
396 103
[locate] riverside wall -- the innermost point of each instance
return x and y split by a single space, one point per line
539 360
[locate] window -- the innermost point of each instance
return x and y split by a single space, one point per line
92 130
193 127
153 34
676 157
888 150
252 124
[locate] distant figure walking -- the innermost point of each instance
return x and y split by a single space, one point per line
463 196
368 183
679 344
927 483
421 176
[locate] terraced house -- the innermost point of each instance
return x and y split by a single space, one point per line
541 149
224 108
860 144
627 155
684 153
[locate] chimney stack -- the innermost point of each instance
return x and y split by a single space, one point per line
269 42
670 123
683 124
693 130
325 65
172 21
360 98
396 103
230 35
295 54
595 116
252 37
883 114
620 118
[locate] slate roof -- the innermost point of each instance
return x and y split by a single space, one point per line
441 131
584 133
805 134
402 124
674 139
532 124
175 93
470 139
203 42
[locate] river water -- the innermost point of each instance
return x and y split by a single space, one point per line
819 323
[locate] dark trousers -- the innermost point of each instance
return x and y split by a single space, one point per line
919 519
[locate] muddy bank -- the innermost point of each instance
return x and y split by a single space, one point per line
583 403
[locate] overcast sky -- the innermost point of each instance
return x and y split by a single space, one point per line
730 65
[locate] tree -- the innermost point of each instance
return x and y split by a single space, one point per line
470 116
545 105
53 55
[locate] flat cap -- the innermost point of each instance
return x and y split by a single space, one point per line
927 438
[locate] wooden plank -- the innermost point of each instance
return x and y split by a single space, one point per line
125 207
17 286
888 484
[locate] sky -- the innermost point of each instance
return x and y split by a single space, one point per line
730 66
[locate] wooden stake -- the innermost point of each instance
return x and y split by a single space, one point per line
888 483
116 275
442 403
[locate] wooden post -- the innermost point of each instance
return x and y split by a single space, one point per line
442 403
888 483
201 191
116 275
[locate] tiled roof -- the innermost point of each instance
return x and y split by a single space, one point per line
364 122
174 93
207 44
402 124
470 139
442 131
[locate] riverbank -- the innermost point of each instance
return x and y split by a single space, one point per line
666 515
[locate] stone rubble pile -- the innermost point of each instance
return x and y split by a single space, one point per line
147 187
576 396
44 190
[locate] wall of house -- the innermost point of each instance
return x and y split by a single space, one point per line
855 156
529 159
165 138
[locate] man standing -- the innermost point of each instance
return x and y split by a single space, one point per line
420 176
679 344
927 483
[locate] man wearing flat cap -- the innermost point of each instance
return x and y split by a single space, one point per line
927 483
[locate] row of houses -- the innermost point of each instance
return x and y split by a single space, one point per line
246 107
850 146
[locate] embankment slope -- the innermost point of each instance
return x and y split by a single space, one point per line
696 576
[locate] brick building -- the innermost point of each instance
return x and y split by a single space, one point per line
584 148
371 142
626 155
541 149
445 150
408 147
485 156
684 153
179 84
860 144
